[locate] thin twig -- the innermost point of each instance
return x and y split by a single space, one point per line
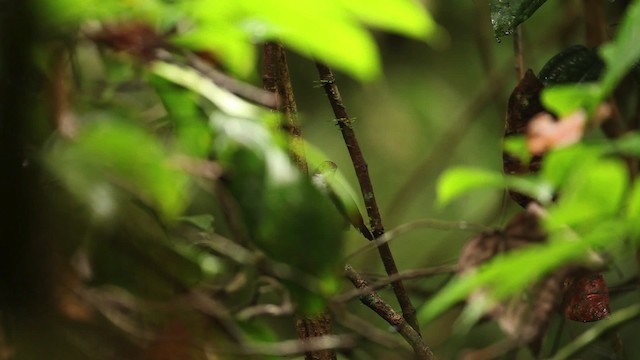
587 337
421 223
366 187
517 52
275 78
366 329
450 139
409 274
375 303
242 89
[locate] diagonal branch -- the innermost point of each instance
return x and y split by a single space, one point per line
375 303
366 187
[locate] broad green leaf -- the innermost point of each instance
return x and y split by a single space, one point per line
123 155
590 194
559 164
406 17
565 99
234 50
507 14
285 215
457 181
575 64
192 80
192 133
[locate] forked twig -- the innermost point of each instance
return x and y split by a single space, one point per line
375 303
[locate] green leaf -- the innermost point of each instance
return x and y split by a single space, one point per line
406 17
574 64
285 215
507 14
629 144
633 209
517 146
192 80
457 181
103 153
561 163
620 56
512 272
623 53
590 194
566 99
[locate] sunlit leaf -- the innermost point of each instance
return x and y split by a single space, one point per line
507 14
457 181
633 209
192 80
403 16
565 99
592 193
559 164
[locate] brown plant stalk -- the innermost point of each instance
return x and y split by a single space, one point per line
275 78
375 303
366 187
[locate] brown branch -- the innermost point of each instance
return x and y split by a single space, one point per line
594 22
275 78
409 274
517 52
366 187
235 86
375 303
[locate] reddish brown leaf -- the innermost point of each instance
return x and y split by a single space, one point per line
523 317
524 104
586 298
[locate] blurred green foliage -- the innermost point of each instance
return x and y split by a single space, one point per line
185 197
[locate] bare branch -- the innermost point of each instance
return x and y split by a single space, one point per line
409 274
366 187
375 303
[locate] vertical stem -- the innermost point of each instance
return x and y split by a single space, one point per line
517 52
366 187
275 78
